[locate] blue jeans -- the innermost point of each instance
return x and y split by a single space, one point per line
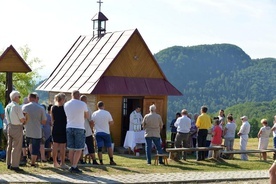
156 141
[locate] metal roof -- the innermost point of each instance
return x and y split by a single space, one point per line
134 86
85 62
83 66
99 16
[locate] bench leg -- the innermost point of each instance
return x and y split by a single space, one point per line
171 155
215 154
165 160
156 160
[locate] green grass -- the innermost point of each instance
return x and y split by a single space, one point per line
130 164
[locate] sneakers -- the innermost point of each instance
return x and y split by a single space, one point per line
23 162
95 163
75 170
112 163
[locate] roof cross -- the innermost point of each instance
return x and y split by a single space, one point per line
100 4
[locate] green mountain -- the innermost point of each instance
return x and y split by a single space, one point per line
219 76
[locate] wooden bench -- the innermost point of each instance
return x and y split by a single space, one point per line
248 152
216 150
47 149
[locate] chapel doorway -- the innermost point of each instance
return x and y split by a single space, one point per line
129 104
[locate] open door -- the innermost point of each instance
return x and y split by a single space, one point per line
129 105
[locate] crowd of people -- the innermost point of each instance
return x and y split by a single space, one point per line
67 125
202 131
71 125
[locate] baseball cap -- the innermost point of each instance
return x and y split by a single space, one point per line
244 117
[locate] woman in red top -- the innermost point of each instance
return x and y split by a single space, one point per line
217 137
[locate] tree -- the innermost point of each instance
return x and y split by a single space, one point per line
22 82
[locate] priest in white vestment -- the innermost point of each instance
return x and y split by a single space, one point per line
135 120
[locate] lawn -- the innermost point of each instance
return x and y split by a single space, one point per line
130 164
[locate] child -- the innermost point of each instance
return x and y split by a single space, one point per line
217 137
263 136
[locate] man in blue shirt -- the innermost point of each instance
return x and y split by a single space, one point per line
173 128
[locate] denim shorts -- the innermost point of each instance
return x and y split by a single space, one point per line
75 138
103 139
48 142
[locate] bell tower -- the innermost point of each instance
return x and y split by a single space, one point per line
99 23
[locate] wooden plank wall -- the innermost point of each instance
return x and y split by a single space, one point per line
113 104
91 99
11 62
161 105
161 109
135 60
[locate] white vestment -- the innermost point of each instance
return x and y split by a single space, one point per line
135 121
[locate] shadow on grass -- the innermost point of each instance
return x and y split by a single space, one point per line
220 163
64 176
181 165
191 165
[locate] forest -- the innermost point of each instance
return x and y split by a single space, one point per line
220 76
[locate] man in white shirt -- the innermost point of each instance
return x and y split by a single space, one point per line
135 120
15 119
101 119
76 112
243 133
183 125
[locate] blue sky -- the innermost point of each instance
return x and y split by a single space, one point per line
50 27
